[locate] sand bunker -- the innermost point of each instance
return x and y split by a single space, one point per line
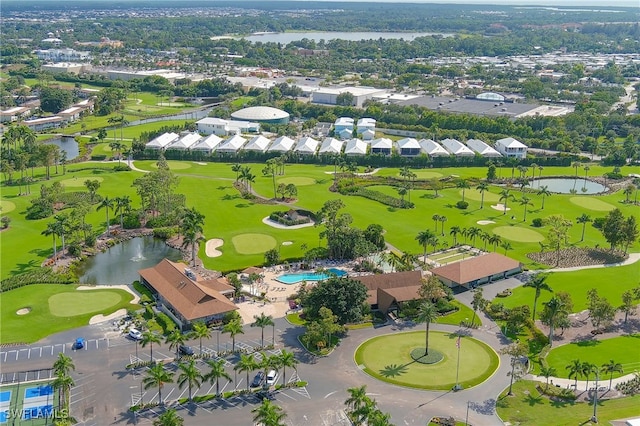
500 207
485 222
23 311
287 243
211 247
200 163
97 319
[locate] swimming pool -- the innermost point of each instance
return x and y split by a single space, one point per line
310 276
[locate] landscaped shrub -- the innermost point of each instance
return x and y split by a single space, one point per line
462 205
70 199
161 221
39 209
122 167
37 276
165 233
90 241
598 222
537 222
165 322
381 198
557 392
285 218
5 220
98 157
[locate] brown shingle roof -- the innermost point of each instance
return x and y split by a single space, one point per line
218 284
191 299
402 286
476 268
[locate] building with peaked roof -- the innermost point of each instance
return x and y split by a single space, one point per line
482 148
343 123
456 148
388 291
382 146
432 148
355 147
478 270
366 123
221 127
307 145
409 147
282 144
257 143
185 296
510 147
208 144
162 141
185 142
232 144
331 146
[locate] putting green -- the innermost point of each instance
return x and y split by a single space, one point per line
592 203
388 358
297 181
474 194
519 234
174 165
7 206
82 302
253 243
425 174
75 182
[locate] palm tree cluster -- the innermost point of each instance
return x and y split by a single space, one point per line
578 369
63 382
428 238
362 410
269 414
244 176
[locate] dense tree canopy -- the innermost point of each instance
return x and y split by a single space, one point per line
343 296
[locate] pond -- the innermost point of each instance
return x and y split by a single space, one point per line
288 37
569 185
66 144
120 263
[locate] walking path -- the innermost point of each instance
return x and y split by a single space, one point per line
582 384
633 258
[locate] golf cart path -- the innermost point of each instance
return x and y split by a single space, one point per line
633 258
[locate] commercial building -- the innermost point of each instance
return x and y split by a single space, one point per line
510 147
476 271
221 127
387 292
262 114
329 95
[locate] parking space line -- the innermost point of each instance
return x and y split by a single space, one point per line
288 396
4 359
167 397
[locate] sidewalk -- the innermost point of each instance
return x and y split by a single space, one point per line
582 384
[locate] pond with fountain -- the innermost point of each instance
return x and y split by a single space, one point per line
120 264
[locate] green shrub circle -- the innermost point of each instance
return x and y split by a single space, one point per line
432 357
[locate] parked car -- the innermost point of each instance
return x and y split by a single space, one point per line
272 377
258 379
78 344
135 334
185 350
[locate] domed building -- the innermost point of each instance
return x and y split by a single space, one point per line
262 114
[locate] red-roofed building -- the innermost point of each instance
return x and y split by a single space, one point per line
478 270
386 291
184 296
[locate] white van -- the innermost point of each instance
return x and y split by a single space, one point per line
272 377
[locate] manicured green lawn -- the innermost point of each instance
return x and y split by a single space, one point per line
610 283
464 313
528 407
253 243
54 308
623 350
388 358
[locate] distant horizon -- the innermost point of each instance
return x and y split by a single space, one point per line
530 3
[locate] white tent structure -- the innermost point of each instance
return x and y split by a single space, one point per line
162 141
331 146
257 143
456 148
355 147
307 145
232 144
282 144
382 146
185 142
409 147
510 147
208 144
432 148
482 148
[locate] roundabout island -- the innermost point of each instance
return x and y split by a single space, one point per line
399 359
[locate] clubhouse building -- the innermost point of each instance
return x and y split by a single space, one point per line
476 271
386 292
185 296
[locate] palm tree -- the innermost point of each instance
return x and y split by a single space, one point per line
583 219
107 204
190 375
575 165
462 184
216 373
51 230
149 338
547 372
525 201
482 187
286 359
442 220
246 363
191 229
494 240
506 245
157 376
586 172
233 327
610 368
538 283
575 371
63 383
263 321
555 308
427 314
268 414
506 196
63 365
61 226
522 170
423 239
544 192
587 369
402 191
123 205
454 231
237 167
540 168
175 339
435 218
200 331
472 233
169 418
357 398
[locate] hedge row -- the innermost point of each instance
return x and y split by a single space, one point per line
38 276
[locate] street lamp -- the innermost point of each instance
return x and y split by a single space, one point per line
594 418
